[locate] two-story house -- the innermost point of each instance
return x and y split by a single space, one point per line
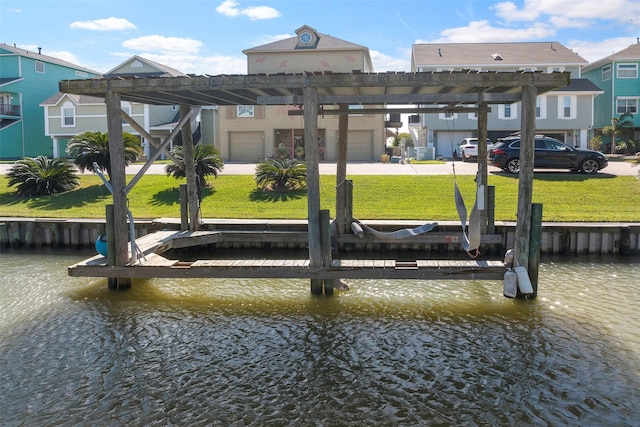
26 78
250 133
67 115
618 76
566 114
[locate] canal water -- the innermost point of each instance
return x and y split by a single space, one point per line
267 352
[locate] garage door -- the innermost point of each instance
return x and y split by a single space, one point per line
360 146
449 141
246 147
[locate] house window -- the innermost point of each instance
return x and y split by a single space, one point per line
627 71
68 114
626 105
39 67
507 111
606 73
567 107
541 107
245 111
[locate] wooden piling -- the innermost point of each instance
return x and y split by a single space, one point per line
184 207
15 237
112 282
74 235
325 244
4 235
29 234
534 246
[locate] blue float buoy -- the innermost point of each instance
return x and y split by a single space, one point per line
101 244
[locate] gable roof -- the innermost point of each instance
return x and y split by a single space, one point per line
631 53
153 69
5 48
76 99
490 55
325 42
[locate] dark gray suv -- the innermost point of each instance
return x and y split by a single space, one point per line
549 153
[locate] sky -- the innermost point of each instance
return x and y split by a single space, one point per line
208 36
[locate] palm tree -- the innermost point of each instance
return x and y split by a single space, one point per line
281 174
207 161
89 147
621 127
41 176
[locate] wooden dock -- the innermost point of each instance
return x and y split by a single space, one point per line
153 264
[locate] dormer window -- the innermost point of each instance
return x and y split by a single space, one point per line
307 38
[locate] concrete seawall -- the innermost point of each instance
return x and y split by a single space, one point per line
557 238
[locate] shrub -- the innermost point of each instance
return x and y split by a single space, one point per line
281 174
207 161
41 176
89 147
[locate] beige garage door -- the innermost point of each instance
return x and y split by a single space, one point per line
360 146
246 147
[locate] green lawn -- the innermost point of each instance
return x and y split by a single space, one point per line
566 197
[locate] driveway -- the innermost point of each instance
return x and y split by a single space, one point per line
375 168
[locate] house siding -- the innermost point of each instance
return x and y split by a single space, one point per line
446 57
27 138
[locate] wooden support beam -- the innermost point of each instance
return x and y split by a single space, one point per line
434 110
482 187
190 169
143 132
313 174
341 172
525 183
535 242
118 183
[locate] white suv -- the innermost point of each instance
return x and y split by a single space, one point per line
468 148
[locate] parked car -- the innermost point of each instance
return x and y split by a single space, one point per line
549 153
468 148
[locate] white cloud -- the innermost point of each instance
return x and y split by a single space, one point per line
255 13
60 54
382 62
483 32
165 45
199 64
108 24
271 39
569 10
594 51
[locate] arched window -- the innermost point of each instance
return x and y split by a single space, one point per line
68 114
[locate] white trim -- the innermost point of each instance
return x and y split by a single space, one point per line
573 107
602 76
513 111
67 106
628 67
541 103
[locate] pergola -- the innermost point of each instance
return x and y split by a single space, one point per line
320 93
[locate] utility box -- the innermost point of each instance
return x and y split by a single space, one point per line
425 153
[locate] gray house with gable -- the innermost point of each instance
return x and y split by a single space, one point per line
566 114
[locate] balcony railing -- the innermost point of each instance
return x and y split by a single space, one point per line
9 110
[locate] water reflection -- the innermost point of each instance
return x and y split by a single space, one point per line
235 352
